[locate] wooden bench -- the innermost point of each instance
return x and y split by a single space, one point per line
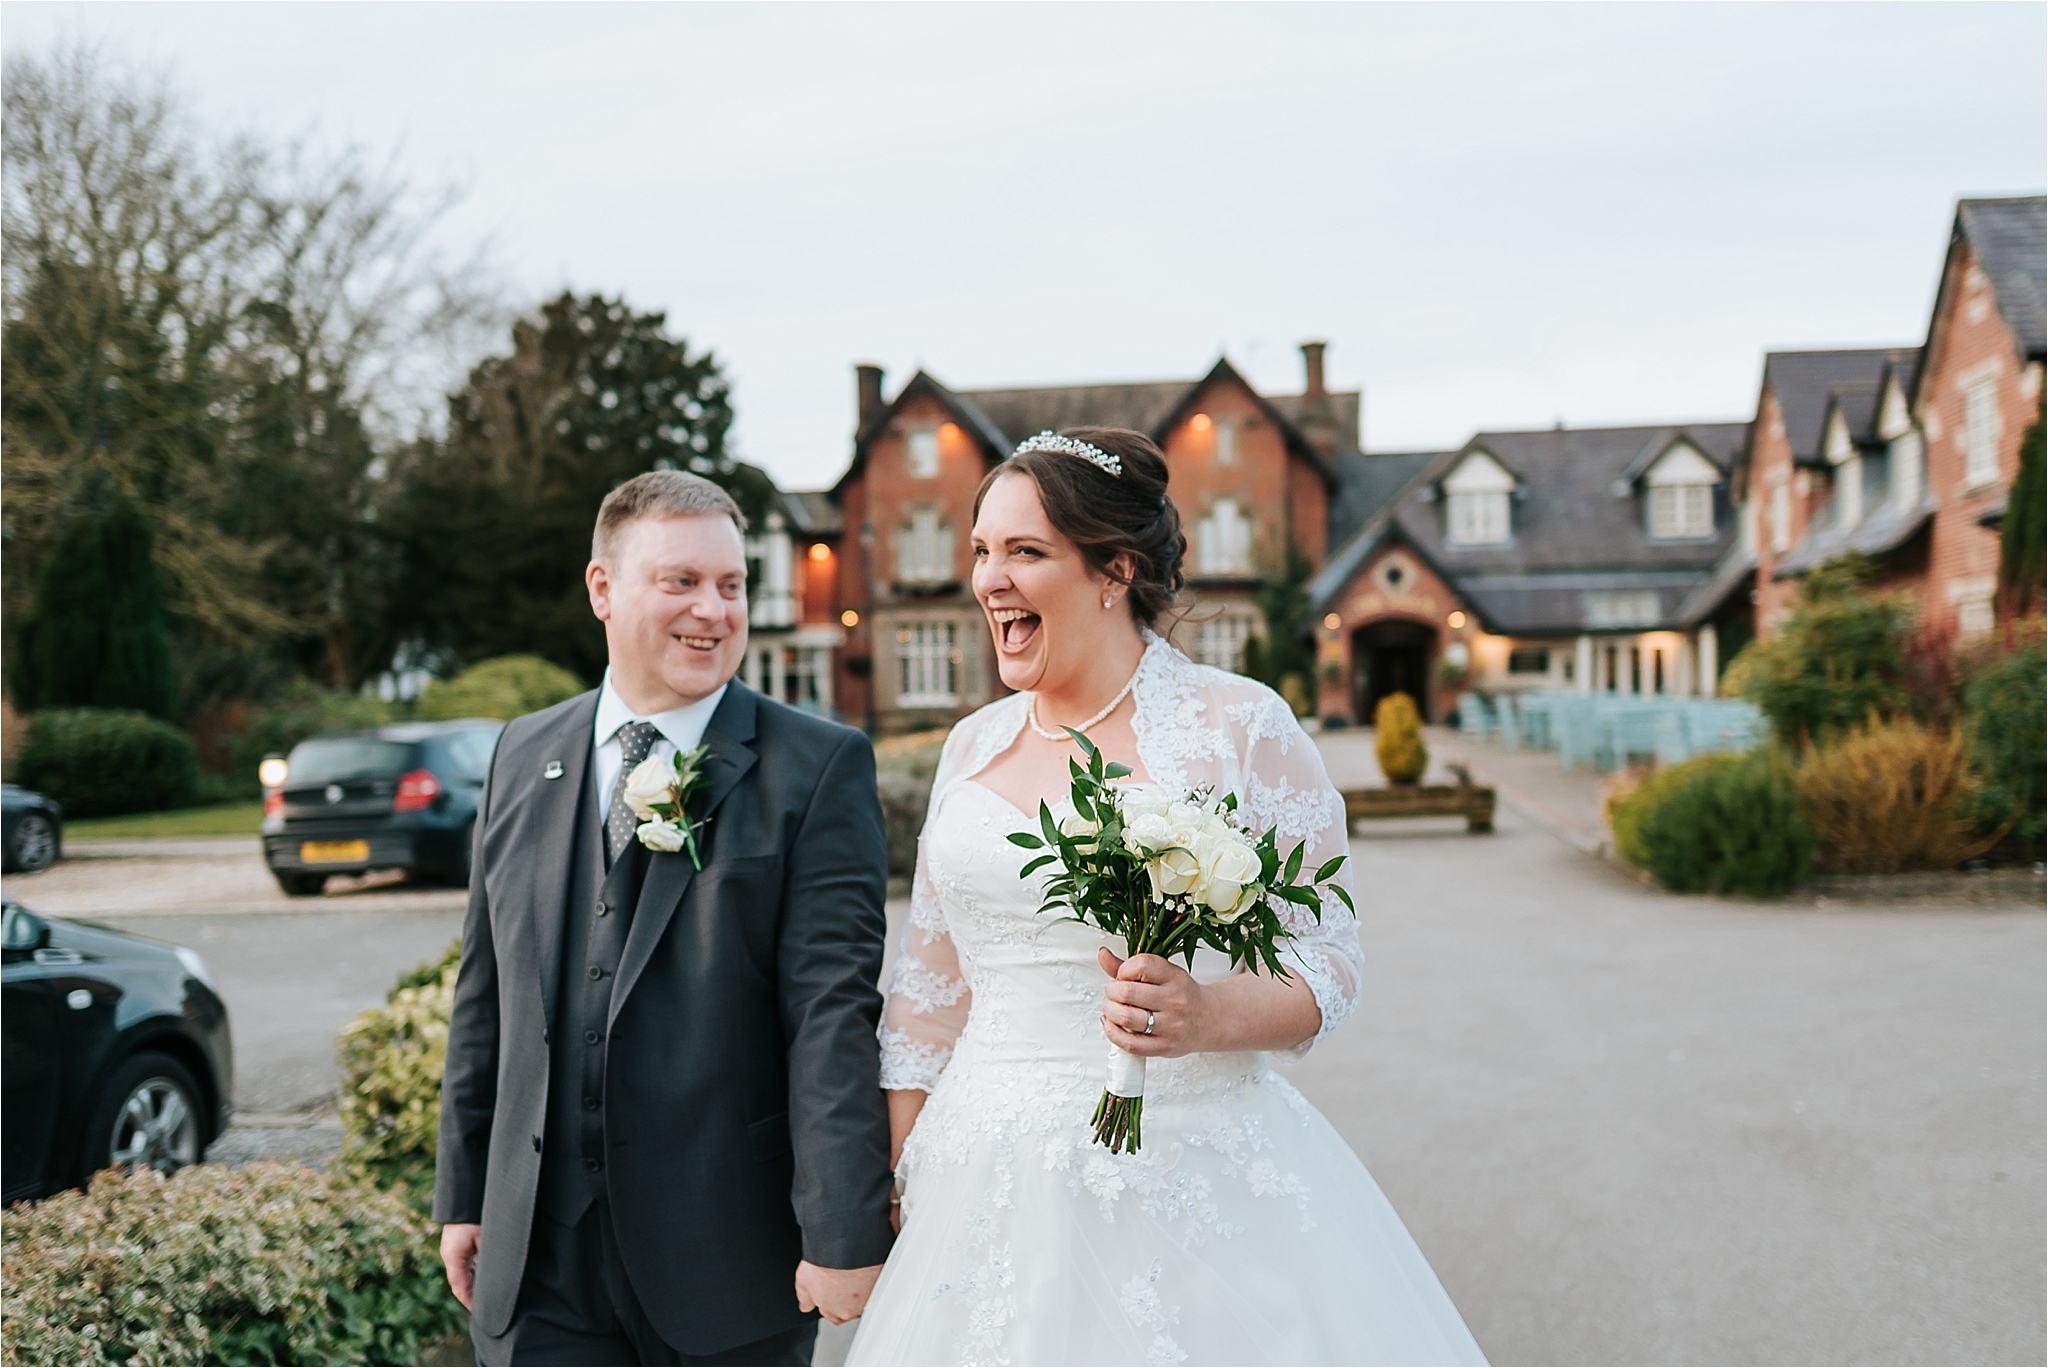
1473 802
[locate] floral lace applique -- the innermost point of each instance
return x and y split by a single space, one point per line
913 1065
924 988
1140 1299
1266 718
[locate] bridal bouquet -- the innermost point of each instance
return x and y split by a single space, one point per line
1169 873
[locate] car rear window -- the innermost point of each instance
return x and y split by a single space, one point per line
329 758
471 751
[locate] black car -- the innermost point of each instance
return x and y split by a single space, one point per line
116 1053
31 830
400 797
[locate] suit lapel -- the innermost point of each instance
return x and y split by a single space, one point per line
729 734
556 803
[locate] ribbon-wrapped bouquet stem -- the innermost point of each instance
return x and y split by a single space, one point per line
1170 873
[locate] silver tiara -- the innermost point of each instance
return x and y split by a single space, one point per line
1052 441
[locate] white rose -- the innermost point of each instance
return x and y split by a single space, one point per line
1077 827
1232 868
661 836
1140 800
1148 833
652 781
1173 873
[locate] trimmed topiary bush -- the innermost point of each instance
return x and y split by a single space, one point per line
1399 747
391 1059
101 762
1718 824
504 688
1839 657
265 1263
2004 703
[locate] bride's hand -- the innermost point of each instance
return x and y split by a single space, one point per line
1181 1010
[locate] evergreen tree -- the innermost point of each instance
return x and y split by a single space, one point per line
97 637
2022 535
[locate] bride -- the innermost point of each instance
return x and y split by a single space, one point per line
1245 1230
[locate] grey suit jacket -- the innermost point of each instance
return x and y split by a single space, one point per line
744 1118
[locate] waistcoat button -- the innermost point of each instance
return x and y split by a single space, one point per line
590 1037
593 1165
602 909
590 1104
595 972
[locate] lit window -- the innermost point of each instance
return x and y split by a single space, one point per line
924 549
1223 540
924 453
1980 431
928 663
1681 510
1220 641
1479 517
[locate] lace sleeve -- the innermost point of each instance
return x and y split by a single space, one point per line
928 994
1285 786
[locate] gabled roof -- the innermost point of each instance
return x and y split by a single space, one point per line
1366 483
810 511
1297 442
2010 238
1733 573
1804 381
1858 406
994 445
1653 451
1884 529
1574 538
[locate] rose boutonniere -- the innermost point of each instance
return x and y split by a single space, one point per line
658 790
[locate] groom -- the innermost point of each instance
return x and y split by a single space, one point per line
662 1104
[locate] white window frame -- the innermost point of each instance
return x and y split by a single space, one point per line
1981 429
1221 640
924 548
1478 517
1849 493
1781 513
773 602
1223 540
1681 512
1226 442
921 453
928 660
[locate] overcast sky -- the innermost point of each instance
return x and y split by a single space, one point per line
1499 216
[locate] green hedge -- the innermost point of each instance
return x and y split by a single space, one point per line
391 1058
504 688
2004 705
304 710
1718 824
265 1263
101 762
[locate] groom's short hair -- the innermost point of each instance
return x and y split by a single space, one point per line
659 494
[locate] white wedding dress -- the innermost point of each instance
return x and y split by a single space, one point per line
1245 1230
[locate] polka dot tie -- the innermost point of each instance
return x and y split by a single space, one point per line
636 741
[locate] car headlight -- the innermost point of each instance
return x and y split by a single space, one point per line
195 966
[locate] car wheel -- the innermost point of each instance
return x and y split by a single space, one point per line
35 843
300 885
148 1117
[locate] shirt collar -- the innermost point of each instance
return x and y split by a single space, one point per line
684 726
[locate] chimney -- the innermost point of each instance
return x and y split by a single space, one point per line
1312 353
868 385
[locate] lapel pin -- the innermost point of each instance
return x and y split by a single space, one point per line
553 770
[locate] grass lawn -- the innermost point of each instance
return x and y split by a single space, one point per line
221 819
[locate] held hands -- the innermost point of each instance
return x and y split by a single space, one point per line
1182 1010
458 1256
838 1294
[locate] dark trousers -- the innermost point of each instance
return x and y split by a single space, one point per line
577 1306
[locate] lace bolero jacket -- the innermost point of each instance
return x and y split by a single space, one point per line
1195 725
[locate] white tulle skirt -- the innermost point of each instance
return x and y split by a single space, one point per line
1246 1231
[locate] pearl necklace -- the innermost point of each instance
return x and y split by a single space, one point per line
1031 713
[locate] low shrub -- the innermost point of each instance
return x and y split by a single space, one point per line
1892 796
1399 747
301 711
2005 700
1718 824
264 1263
101 762
507 687
1838 658
391 1059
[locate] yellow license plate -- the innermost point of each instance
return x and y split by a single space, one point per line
333 852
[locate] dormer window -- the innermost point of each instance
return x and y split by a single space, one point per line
1681 494
1476 498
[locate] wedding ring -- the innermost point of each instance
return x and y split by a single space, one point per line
1151 1020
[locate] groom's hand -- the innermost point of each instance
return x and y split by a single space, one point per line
458 1256
838 1294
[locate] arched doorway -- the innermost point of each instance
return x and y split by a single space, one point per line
1388 658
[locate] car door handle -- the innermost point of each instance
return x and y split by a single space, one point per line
54 955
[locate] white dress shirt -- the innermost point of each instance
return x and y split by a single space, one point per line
681 730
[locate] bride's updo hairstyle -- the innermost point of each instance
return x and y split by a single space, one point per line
1107 516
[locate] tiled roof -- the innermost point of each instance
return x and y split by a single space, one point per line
811 511
1805 380
1883 529
1365 482
1736 571
2010 237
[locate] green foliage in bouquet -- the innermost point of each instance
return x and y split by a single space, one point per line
1167 884
264 1263
391 1059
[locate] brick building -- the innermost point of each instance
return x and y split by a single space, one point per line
1252 474
1904 454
